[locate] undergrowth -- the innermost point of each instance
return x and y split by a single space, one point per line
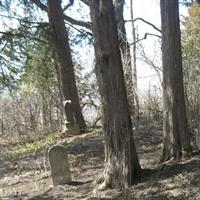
32 147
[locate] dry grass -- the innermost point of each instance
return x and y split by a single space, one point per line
28 177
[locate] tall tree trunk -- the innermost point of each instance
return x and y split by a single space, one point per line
62 50
176 140
126 55
121 161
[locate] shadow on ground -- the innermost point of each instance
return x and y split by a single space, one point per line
31 179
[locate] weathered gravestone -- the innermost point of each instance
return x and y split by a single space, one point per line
70 124
59 164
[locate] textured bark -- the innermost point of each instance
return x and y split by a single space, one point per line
176 140
126 55
121 161
62 51
44 111
198 1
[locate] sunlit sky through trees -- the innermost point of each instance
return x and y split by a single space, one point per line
146 9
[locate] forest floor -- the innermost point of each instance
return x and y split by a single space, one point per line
25 172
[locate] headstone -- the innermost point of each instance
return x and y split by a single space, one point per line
70 125
71 130
59 164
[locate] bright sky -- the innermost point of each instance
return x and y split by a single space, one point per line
150 11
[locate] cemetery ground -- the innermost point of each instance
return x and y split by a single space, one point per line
25 171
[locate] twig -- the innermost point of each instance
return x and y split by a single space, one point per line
145 21
145 37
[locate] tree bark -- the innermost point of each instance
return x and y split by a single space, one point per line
176 139
44 111
198 2
62 51
121 161
126 56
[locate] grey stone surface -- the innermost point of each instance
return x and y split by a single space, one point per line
59 164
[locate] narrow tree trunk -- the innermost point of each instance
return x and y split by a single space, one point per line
62 50
44 111
126 54
2 127
135 85
121 161
134 47
176 140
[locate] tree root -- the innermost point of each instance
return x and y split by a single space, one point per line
103 182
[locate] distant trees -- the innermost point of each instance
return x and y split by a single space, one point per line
176 139
191 64
28 85
31 54
191 2
121 161
30 58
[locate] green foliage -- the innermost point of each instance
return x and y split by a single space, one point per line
23 50
22 46
28 149
39 70
32 147
49 139
191 63
98 131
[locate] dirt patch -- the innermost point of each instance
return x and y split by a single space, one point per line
28 176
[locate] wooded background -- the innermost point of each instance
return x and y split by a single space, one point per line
41 68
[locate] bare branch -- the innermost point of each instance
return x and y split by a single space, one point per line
151 63
77 22
82 31
86 2
40 5
145 37
145 21
71 2
67 18
96 121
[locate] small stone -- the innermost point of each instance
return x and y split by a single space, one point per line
59 164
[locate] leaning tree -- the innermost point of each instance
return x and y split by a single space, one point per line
62 55
121 161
